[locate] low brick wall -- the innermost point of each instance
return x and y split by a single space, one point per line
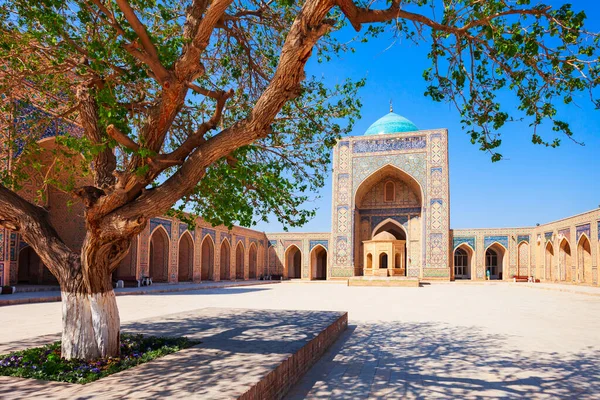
278 382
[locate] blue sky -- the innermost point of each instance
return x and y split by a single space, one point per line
532 184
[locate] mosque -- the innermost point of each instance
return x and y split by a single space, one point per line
390 217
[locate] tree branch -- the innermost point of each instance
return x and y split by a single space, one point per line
31 222
105 162
161 72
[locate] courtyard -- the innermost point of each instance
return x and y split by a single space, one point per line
441 340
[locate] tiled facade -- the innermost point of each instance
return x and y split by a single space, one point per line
394 179
420 159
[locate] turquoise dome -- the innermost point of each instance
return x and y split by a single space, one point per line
391 123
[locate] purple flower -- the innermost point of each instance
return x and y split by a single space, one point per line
34 367
95 370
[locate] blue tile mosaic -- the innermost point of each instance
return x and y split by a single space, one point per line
548 235
522 238
272 243
184 227
165 223
376 220
225 235
28 115
581 229
488 240
457 241
313 243
211 233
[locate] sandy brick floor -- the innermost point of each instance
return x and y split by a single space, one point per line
437 341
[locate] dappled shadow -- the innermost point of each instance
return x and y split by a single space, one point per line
409 360
239 347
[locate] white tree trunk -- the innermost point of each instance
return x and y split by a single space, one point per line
91 325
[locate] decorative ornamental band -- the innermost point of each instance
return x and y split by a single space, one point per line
379 145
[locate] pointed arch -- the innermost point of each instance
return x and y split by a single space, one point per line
392 226
224 260
159 255
523 258
370 207
378 175
564 261
463 257
495 261
128 266
185 261
252 261
293 262
318 262
584 259
207 265
240 252
31 270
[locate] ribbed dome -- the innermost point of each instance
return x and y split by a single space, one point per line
391 123
385 235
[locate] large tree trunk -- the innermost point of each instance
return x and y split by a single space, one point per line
91 325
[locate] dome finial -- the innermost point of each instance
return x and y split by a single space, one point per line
391 106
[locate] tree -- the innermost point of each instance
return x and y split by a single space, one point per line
205 106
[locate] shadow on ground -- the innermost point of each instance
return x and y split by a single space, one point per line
238 348
425 360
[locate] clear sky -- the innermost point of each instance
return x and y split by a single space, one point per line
532 184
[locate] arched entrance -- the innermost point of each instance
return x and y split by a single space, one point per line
463 255
208 259
239 261
389 200
293 262
224 260
127 268
252 261
549 261
318 263
159 255
495 260
523 259
383 260
185 265
565 263
584 259
31 270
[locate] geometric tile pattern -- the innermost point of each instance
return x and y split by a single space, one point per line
522 238
488 240
313 243
456 241
210 232
165 223
581 229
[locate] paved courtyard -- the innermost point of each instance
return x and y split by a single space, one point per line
441 340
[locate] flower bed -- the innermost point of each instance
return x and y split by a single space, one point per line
45 362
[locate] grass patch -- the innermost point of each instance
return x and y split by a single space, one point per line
45 362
